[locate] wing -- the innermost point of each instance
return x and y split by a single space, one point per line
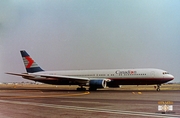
38 76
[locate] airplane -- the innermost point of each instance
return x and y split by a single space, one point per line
94 79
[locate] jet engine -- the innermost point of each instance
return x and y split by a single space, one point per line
98 83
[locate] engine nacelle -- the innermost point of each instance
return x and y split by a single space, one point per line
98 83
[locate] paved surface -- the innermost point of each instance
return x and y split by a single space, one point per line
39 101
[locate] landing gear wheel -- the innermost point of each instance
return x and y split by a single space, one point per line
158 87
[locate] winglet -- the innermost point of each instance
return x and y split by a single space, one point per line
30 65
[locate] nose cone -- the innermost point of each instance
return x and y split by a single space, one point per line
170 77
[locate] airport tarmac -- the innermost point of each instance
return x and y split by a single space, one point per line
47 101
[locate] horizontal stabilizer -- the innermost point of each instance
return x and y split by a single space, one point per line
23 74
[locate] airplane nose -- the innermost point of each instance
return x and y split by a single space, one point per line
171 76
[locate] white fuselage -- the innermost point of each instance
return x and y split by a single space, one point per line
119 76
114 73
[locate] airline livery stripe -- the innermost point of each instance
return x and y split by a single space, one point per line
29 63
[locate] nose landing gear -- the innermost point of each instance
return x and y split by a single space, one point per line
158 87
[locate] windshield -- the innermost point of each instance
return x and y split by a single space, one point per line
165 73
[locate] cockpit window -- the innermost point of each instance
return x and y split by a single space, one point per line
165 73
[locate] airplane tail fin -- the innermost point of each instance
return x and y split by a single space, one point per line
30 65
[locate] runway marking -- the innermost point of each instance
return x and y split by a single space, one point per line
133 113
139 93
5 91
45 96
82 102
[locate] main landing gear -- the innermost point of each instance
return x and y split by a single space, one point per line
158 87
81 89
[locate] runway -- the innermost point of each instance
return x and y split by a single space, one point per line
42 101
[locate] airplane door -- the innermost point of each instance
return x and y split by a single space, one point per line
152 74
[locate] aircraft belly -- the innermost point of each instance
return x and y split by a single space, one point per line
137 81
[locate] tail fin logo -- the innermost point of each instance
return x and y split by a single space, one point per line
30 62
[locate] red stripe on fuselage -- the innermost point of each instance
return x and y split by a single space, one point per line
30 61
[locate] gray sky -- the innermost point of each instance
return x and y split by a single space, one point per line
90 34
